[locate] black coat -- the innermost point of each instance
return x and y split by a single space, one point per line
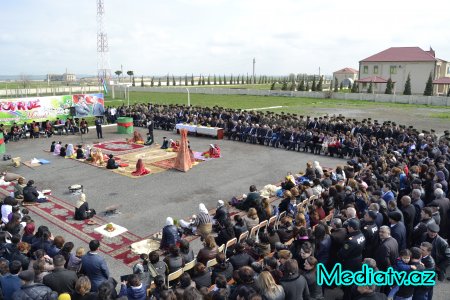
35 291
409 213
221 214
398 232
240 260
61 281
295 288
30 194
386 253
225 269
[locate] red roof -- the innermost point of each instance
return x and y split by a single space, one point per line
346 70
395 54
374 79
442 80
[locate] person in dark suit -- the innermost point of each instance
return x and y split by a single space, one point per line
409 214
370 231
440 250
398 230
428 263
61 280
338 235
98 127
253 199
387 251
444 209
94 266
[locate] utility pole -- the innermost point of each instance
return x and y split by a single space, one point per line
254 62
103 67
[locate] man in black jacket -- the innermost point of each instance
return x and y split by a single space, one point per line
398 230
387 251
370 231
440 251
31 290
409 213
421 228
30 193
61 280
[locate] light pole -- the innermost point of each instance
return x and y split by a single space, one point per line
254 62
189 97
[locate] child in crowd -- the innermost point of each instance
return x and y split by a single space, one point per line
74 262
402 263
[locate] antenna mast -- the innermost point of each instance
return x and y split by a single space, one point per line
103 67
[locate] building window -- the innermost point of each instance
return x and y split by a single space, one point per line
364 85
393 69
448 70
365 69
375 69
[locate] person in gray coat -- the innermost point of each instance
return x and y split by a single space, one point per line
94 266
294 285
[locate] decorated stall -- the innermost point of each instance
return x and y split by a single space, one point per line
125 125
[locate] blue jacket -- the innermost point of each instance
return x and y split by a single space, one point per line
9 284
170 236
398 232
95 267
134 293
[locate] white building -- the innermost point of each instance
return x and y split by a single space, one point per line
346 75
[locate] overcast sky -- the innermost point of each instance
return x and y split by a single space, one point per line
214 36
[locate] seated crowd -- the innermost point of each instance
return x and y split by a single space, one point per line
388 207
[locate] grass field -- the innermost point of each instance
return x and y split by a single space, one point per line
292 105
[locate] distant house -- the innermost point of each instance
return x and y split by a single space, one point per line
67 77
397 63
346 75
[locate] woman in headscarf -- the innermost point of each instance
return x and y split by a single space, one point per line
82 211
170 235
137 138
140 169
70 151
57 149
318 169
203 221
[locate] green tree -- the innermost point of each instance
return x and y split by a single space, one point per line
142 80
199 80
118 73
174 83
307 86
293 86
341 86
389 86
185 80
215 80
302 85
370 89
159 81
284 87
134 83
220 80
336 84
319 87
167 80
130 73
192 79
209 79
407 90
231 79
238 80
313 87
355 87
272 86
429 87
203 80
246 80
448 93
152 82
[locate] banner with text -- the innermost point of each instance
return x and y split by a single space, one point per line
40 109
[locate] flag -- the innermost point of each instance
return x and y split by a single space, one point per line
105 88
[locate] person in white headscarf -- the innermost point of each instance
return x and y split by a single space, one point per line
318 169
70 151
200 224
221 213
82 211
170 235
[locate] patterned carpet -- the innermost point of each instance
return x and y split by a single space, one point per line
118 147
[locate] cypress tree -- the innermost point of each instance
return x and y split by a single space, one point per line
238 80
370 89
152 82
192 79
355 87
224 79
220 80
302 85
284 87
167 80
293 86
341 86
246 79
159 81
185 80
134 84
336 84
209 80
174 83
313 87
203 80
242 81
448 93
215 81
307 86
429 87
272 87
319 85
407 90
200 80
389 86
142 81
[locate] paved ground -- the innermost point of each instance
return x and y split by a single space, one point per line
146 202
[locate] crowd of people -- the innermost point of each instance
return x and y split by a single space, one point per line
388 207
